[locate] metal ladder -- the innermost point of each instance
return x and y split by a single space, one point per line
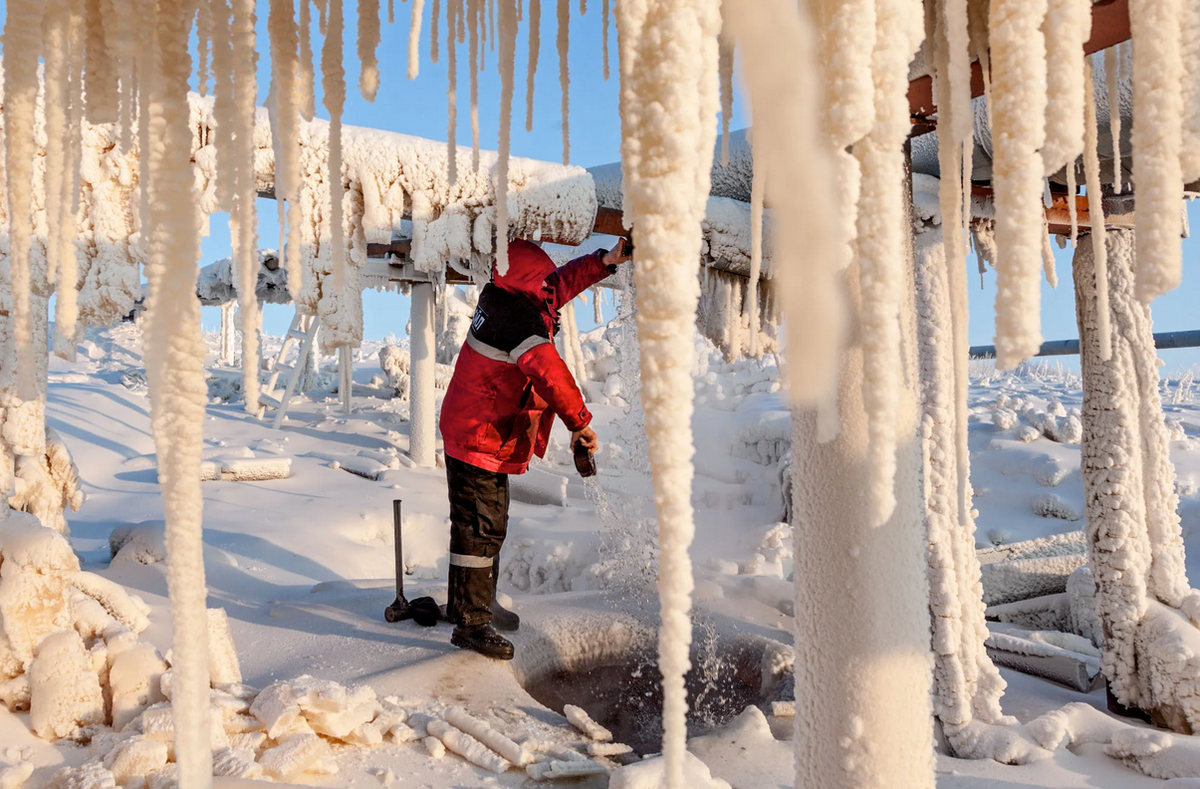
304 328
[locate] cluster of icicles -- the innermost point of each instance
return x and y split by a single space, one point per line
829 95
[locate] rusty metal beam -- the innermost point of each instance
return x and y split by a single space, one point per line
1110 26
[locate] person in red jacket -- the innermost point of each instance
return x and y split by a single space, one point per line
508 385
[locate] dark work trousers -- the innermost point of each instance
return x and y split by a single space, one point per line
478 524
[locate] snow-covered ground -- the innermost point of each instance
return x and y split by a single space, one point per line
304 565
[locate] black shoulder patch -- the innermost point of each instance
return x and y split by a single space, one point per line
504 320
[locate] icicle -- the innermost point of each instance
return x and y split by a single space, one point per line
950 51
1157 136
473 71
1049 269
66 309
535 24
1018 109
203 39
243 221
322 16
224 108
174 356
1072 203
287 91
883 224
583 7
22 41
307 99
1112 81
414 39
453 10
669 88
1091 171
55 99
101 67
368 41
333 82
391 12
435 13
777 48
491 9
508 49
1189 23
725 65
564 74
758 179
597 306
1067 26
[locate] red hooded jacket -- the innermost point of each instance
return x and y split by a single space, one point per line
509 380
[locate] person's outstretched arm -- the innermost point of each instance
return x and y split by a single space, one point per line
581 273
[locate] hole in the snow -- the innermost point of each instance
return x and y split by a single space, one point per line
611 672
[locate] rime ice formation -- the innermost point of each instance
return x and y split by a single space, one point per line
666 182
1133 525
868 675
1091 172
1067 26
1018 112
1157 136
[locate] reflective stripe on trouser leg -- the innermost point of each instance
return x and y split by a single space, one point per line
478 525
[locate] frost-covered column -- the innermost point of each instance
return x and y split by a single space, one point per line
421 439
1133 527
228 335
862 628
669 103
863 665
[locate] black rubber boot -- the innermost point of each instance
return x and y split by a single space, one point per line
482 639
502 618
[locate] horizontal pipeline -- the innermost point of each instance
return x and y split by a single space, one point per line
1163 341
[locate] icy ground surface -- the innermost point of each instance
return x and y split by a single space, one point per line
304 565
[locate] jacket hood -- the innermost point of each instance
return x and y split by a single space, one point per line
528 267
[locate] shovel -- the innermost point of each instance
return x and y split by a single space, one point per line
399 610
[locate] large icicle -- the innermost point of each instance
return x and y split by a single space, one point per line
244 222
535 37
60 220
22 42
1112 83
473 70
175 370
1018 113
1091 173
305 71
1189 23
779 55
368 40
66 306
1068 25
668 117
453 12
224 103
883 228
1157 136
508 49
757 186
725 64
333 81
604 15
287 93
414 38
563 41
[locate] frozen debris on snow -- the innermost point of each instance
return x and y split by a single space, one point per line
136 758
276 707
89 775
245 469
223 666
783 709
434 746
126 608
1074 724
468 747
236 763
584 723
294 756
555 769
608 749
461 719
65 691
1025 578
1005 742
1051 505
135 679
